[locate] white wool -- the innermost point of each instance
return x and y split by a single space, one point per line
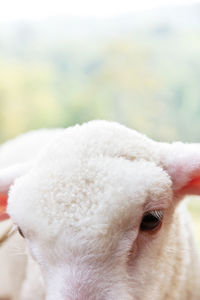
56 198
25 147
70 179
80 206
21 149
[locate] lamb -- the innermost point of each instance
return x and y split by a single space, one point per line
101 212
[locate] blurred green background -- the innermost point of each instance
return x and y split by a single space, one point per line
140 69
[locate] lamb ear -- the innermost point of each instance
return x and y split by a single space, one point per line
7 178
182 162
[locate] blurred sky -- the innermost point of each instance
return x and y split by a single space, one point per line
38 9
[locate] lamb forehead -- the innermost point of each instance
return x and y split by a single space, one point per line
102 191
90 173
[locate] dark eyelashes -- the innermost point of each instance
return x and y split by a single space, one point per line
151 220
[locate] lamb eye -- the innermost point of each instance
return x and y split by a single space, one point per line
151 220
20 232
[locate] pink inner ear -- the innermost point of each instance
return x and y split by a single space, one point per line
3 205
192 187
